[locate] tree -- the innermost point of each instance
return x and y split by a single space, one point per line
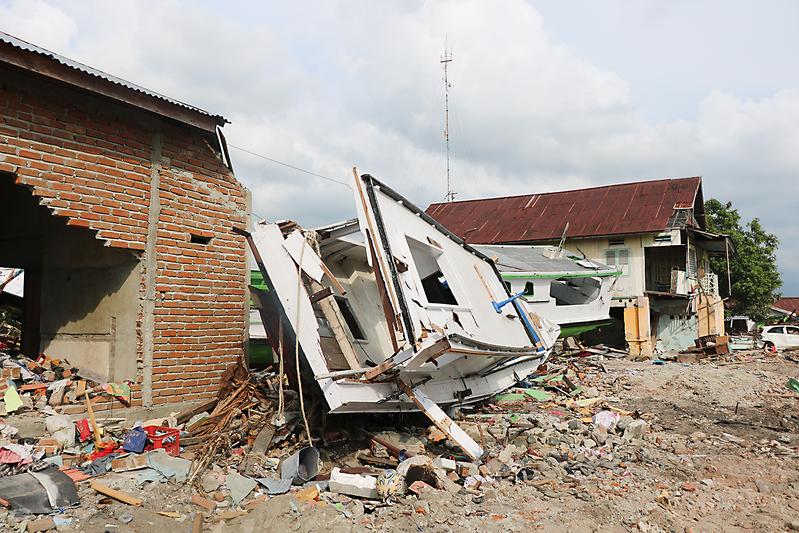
753 266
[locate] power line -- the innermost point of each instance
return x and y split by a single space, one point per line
328 178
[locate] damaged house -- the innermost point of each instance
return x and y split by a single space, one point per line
653 232
391 312
118 204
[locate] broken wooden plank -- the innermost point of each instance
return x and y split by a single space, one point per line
442 421
382 368
124 497
485 284
339 287
341 373
185 416
324 293
303 255
93 421
336 322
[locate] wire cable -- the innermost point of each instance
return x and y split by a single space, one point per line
293 167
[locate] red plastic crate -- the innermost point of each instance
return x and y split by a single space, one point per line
163 437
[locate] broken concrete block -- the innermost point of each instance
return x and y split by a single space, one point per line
239 486
444 464
420 487
465 469
417 460
353 484
41 524
209 482
129 462
635 429
509 452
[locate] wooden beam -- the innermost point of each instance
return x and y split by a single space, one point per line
339 287
376 256
324 293
116 494
442 421
336 323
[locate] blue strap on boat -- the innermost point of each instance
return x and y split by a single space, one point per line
522 314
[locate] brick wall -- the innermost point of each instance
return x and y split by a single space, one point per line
90 162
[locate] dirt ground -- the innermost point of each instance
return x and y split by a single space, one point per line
719 454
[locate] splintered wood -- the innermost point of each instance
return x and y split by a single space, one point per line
242 410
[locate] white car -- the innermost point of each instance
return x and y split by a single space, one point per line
780 336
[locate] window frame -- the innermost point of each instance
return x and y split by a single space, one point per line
616 251
453 282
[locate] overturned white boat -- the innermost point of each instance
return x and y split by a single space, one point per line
392 312
572 291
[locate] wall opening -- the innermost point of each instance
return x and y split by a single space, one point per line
349 318
199 239
81 298
430 266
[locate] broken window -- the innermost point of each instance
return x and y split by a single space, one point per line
620 259
428 261
529 289
349 318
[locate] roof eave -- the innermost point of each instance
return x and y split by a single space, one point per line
50 68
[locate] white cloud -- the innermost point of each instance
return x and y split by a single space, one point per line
325 85
38 22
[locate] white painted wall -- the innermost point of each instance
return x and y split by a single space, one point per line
630 284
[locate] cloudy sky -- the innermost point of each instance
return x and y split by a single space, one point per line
545 95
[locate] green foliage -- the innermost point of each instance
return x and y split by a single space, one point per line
753 266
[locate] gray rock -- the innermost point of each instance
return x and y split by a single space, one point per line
623 422
588 443
600 437
575 424
210 483
762 486
697 436
635 429
793 525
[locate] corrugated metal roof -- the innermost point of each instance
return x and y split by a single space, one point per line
521 258
788 303
626 208
24 45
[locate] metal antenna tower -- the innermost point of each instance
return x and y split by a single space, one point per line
446 59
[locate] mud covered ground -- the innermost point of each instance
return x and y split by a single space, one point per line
719 454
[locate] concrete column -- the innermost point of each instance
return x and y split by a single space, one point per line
150 270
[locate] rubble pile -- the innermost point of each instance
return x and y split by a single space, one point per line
562 434
48 385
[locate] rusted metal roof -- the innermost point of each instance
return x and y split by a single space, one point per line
640 207
789 304
137 91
